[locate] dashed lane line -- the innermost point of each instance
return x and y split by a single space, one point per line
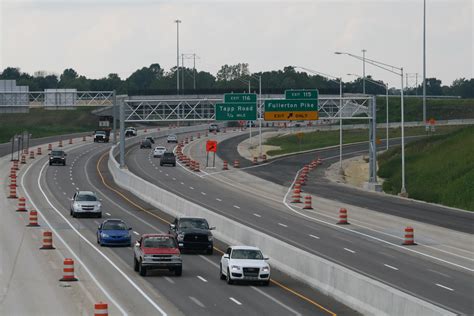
282 225
136 233
217 199
197 302
202 279
235 301
237 207
349 250
257 215
391 267
444 287
313 236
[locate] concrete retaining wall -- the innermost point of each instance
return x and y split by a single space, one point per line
366 295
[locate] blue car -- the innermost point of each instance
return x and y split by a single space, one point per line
114 232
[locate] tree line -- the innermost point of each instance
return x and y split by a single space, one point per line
230 78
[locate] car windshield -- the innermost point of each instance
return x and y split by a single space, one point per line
112 225
193 223
100 132
146 141
168 155
57 153
160 148
247 254
172 136
86 197
159 242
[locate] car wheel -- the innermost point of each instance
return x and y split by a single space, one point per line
210 251
174 165
266 283
178 271
141 269
73 214
227 277
50 164
221 275
135 264
99 215
161 165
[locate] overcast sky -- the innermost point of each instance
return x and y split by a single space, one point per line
109 36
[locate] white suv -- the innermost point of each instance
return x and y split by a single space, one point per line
85 203
244 263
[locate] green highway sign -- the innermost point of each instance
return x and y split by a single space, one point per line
279 105
301 94
240 98
236 111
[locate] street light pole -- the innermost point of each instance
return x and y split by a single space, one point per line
177 55
424 64
363 71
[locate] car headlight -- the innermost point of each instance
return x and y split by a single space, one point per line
265 269
210 238
104 235
180 237
235 267
76 205
99 206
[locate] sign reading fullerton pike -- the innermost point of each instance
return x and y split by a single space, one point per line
236 111
291 110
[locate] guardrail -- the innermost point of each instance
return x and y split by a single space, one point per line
357 291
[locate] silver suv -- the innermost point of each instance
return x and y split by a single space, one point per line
85 203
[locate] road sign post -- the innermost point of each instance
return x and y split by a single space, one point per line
211 146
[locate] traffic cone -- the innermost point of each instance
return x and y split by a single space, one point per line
196 167
70 141
21 205
101 309
307 203
409 237
50 147
236 163
255 160
12 192
68 271
23 159
342 217
47 240
198 135
60 143
191 138
264 158
296 197
38 151
13 181
32 154
84 138
33 219
16 165
225 166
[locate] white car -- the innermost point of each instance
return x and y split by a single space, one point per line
85 203
172 138
244 263
159 151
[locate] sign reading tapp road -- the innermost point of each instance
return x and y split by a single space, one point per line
299 105
237 107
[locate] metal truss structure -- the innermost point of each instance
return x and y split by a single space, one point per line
56 98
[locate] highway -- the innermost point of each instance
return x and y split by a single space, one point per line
198 291
282 171
399 267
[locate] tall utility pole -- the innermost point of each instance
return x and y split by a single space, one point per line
424 64
177 55
182 72
194 71
363 70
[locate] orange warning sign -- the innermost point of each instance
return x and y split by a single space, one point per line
211 145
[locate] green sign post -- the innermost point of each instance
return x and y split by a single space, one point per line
236 111
240 98
301 94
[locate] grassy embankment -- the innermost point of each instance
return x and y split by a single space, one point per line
439 169
290 143
42 123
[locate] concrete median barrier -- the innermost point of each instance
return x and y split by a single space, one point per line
368 296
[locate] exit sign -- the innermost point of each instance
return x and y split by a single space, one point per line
301 94
240 98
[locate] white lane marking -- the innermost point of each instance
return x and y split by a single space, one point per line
360 233
108 214
217 199
443 274
210 261
444 287
77 189
257 215
73 183
236 206
283 225
160 170
170 280
312 236
71 179
136 233
351 251
182 183
235 301
174 179
58 236
391 267
167 175
191 188
96 222
276 301
196 301
201 278
203 193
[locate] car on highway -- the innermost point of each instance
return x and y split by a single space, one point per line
172 138
85 203
145 143
131 131
151 139
159 151
193 233
213 127
114 232
168 158
244 263
101 136
157 251
57 157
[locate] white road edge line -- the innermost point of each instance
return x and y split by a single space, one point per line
444 287
391 267
235 301
148 298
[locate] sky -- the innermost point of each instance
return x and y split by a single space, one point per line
119 36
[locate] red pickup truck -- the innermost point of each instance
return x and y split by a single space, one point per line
157 251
